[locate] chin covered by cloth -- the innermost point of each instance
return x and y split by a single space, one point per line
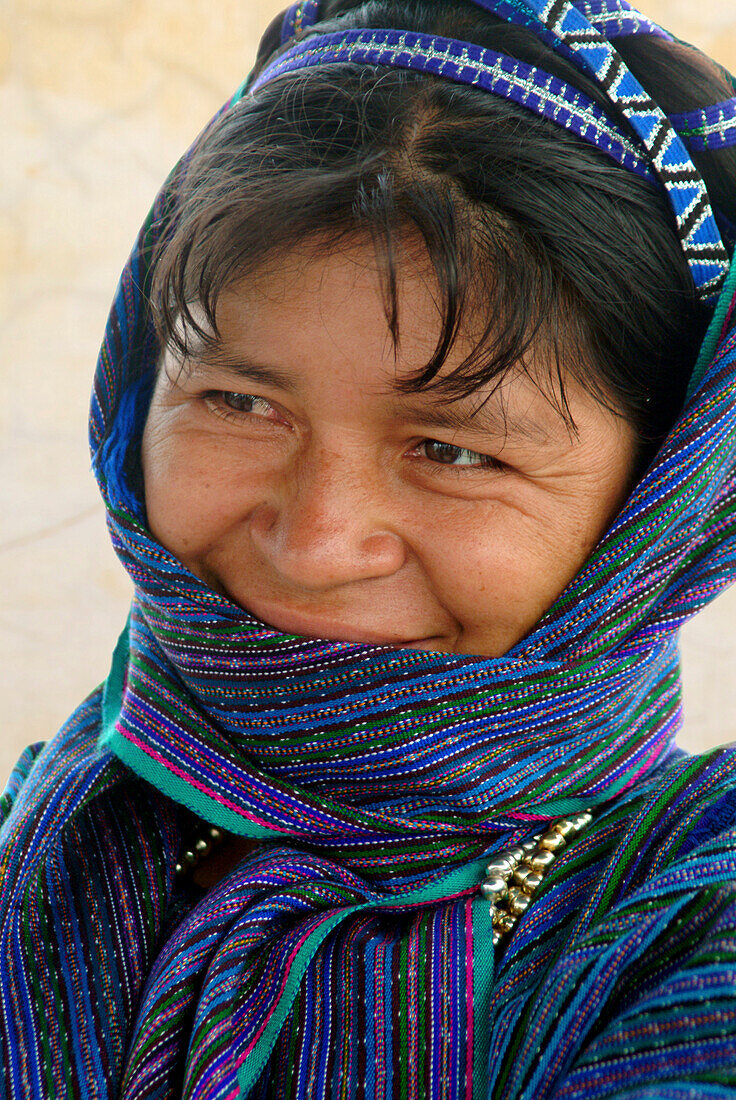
352 953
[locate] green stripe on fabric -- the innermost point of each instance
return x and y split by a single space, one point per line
181 790
460 880
668 796
483 971
712 336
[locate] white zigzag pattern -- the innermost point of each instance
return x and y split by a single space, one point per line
581 39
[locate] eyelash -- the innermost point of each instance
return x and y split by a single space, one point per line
486 462
216 401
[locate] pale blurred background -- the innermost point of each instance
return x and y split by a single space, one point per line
98 100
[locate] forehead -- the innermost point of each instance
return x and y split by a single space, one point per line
310 316
319 310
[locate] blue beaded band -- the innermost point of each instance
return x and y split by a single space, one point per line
298 17
708 128
613 18
581 31
617 19
465 63
697 229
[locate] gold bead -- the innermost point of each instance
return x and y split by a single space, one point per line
189 857
178 869
552 841
494 889
216 835
518 901
524 865
541 860
515 854
565 828
531 882
521 874
203 847
500 865
503 921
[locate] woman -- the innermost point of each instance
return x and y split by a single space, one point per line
415 425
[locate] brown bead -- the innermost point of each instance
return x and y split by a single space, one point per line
500 865
516 853
521 874
504 921
518 901
531 882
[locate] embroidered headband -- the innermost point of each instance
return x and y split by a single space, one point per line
582 32
530 87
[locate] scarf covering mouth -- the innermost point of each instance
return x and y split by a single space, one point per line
349 957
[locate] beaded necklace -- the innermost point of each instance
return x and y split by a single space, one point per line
204 840
512 876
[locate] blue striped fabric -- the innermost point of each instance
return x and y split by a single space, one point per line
350 954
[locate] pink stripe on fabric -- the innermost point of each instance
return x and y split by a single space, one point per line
195 783
297 948
648 763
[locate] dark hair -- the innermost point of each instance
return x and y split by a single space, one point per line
557 245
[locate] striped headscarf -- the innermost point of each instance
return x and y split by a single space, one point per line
352 955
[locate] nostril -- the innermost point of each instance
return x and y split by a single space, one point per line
318 553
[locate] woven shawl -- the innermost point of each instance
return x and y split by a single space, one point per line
351 956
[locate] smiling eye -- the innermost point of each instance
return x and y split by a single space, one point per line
231 405
245 402
447 454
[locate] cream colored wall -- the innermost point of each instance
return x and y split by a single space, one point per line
98 99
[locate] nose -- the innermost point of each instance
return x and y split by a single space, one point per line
329 524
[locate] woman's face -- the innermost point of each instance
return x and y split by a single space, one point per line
286 469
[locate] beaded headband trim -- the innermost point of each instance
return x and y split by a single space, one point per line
298 17
708 128
701 130
613 19
581 31
700 239
616 18
532 88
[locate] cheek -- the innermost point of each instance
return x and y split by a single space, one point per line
489 565
498 572
183 489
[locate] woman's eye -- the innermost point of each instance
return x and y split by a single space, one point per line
447 454
226 402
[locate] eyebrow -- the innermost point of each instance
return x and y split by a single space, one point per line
483 420
203 357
